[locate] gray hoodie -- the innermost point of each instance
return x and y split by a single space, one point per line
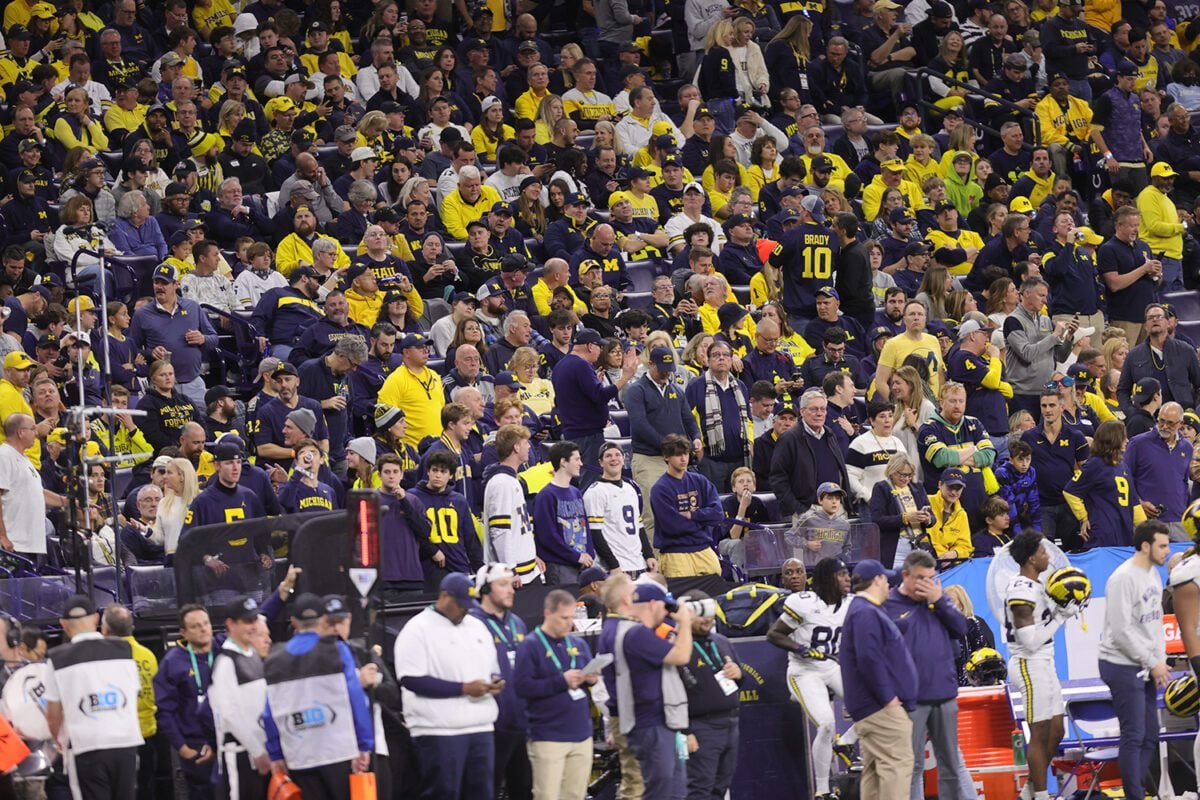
1033 349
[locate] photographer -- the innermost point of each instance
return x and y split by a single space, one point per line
712 688
651 701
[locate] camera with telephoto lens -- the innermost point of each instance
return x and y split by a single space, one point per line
701 608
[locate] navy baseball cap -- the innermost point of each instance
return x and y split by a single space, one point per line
508 380
648 591
954 477
663 358
414 340
591 575
461 588
868 569
335 606
588 336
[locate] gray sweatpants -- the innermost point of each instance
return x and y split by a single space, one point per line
940 722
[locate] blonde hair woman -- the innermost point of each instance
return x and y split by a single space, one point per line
752 80
766 285
549 112
370 131
536 392
180 488
232 112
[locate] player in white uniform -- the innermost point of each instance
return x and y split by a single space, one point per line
810 629
1184 580
1031 619
507 527
614 512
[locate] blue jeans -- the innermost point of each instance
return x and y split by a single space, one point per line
1136 704
663 772
1081 89
456 767
1172 277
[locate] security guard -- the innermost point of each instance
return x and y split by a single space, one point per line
317 720
91 705
237 695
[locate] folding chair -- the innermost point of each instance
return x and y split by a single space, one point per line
1095 752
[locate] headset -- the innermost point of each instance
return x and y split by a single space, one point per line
491 572
12 630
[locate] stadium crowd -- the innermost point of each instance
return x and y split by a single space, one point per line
590 288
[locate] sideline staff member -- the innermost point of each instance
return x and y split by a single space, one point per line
237 692
317 743
91 696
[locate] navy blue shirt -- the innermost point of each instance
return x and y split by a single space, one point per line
318 383
1055 460
270 418
554 714
1128 304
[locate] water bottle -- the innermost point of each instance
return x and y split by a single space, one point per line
581 615
1018 746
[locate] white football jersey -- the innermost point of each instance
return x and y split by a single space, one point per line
614 512
1023 591
815 624
1186 570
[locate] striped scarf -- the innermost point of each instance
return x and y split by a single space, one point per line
714 431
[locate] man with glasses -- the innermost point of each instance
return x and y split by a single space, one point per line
1158 462
721 403
1171 362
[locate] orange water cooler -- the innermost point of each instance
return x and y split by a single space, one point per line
985 727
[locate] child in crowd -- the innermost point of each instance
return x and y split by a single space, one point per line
994 534
824 529
1018 486
741 509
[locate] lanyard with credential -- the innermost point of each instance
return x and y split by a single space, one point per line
715 660
510 641
196 671
550 651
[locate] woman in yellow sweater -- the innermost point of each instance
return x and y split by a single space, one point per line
76 128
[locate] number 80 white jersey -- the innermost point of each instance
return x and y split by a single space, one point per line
815 624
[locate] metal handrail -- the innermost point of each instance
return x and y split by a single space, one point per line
1026 114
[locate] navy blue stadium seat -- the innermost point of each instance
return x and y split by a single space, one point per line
639 299
1185 304
620 418
641 273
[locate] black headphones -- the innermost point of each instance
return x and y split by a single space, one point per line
12 630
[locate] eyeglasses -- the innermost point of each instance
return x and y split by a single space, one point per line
1167 423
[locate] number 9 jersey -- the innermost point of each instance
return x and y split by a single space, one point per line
815 625
806 258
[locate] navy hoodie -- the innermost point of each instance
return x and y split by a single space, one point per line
927 628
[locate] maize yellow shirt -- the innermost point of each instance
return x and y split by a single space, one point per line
293 250
364 310
12 401
421 396
216 14
457 213
527 104
542 294
147 666
1160 226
